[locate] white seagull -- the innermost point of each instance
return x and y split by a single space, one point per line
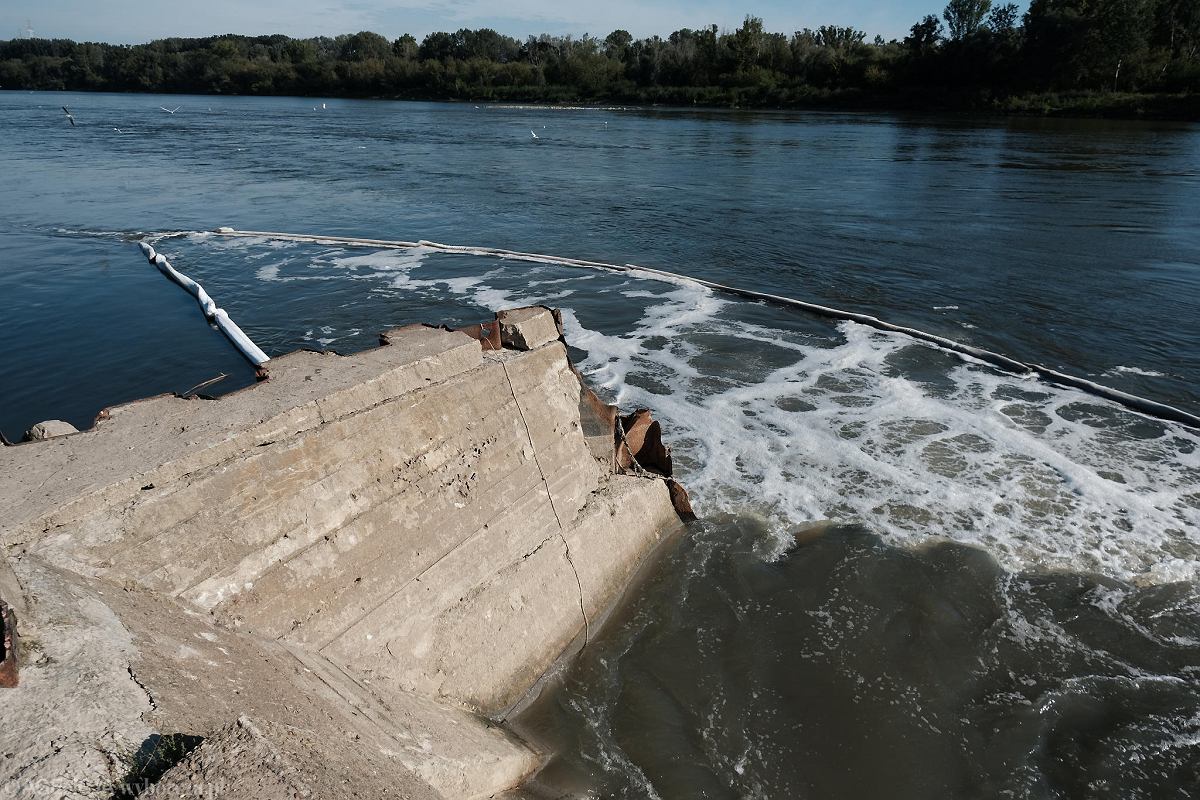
170 110
531 133
67 111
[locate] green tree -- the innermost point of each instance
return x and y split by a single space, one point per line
747 42
964 17
1059 45
405 47
1003 19
364 46
838 38
924 36
617 43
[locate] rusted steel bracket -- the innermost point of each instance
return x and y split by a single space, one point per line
598 420
642 444
681 501
488 334
640 450
9 643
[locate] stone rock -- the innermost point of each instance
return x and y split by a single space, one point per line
528 328
49 429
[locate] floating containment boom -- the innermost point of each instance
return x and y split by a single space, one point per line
212 313
1003 362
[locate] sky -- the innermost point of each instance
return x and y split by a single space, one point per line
135 21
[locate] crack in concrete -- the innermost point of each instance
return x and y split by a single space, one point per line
142 686
537 549
550 497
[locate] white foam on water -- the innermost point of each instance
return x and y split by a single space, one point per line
398 260
392 265
1110 600
219 242
269 272
1147 373
800 427
1042 477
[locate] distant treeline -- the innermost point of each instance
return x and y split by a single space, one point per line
1084 55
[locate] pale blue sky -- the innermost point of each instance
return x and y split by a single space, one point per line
132 21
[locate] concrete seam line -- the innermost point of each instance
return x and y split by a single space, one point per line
968 353
550 496
331 638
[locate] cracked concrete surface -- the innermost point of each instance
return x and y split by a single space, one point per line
361 559
506 328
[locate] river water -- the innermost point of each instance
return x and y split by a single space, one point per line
914 576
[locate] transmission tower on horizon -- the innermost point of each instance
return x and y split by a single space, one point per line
28 29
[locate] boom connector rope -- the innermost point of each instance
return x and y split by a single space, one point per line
967 352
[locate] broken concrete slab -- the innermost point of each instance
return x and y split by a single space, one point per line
78 712
49 429
119 665
528 328
162 439
375 548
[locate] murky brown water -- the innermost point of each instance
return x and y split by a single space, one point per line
846 668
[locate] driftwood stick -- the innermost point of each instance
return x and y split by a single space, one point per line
206 383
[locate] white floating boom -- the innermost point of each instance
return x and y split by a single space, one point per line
967 352
212 313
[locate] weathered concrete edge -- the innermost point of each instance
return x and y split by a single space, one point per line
282 419
540 339
599 625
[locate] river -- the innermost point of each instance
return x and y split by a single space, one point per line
914 575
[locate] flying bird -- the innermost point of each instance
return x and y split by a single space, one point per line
118 130
67 111
170 110
531 133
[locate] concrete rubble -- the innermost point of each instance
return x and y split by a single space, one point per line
328 585
49 429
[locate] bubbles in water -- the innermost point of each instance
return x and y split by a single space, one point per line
793 419
862 426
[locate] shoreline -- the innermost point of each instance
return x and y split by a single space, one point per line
1120 106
